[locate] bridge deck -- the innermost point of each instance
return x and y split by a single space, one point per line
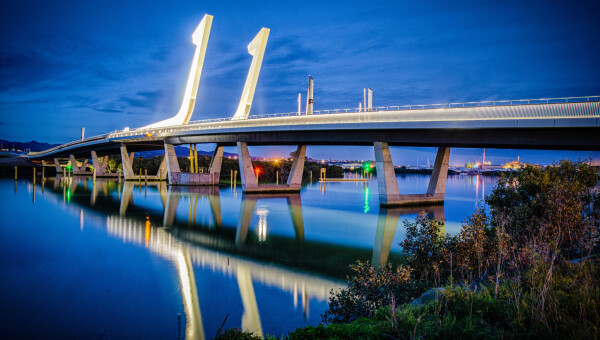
550 126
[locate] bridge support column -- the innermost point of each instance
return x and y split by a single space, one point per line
215 165
162 169
57 166
249 183
127 163
388 187
79 170
99 166
386 177
246 169
176 177
297 170
172 163
437 183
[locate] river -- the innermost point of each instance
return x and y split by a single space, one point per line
129 260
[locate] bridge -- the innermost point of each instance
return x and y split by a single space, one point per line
550 123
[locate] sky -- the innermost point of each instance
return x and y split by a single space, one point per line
106 65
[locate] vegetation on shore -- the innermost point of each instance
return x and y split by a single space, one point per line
528 269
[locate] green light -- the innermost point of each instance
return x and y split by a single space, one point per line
366 167
366 208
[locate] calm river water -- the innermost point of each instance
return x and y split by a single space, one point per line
113 260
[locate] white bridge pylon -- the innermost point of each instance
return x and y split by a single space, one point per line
256 48
200 39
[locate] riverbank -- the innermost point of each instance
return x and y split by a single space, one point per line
531 268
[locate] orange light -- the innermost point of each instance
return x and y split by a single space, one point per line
147 231
148 135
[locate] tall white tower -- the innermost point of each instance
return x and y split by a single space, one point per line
256 48
200 39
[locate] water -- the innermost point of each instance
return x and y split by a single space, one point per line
85 261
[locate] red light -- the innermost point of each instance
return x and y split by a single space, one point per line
257 170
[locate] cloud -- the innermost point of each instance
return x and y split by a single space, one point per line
290 50
143 99
106 109
19 68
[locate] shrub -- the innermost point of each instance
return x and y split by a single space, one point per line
236 334
474 248
359 329
369 289
554 209
426 247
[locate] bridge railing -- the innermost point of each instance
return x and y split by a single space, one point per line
487 103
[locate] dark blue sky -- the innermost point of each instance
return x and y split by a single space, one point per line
110 64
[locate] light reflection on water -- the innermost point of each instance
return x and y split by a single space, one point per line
266 262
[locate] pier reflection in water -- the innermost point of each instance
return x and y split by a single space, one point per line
270 245
164 242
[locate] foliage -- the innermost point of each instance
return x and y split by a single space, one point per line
549 210
534 257
480 312
425 245
236 334
359 329
369 289
473 248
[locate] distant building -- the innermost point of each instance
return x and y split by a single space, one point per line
518 165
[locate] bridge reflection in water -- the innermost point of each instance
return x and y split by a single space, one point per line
186 245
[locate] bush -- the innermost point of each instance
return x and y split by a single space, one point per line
359 329
554 209
474 248
236 334
427 250
368 290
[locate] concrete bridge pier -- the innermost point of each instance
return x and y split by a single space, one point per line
389 194
58 166
99 166
127 163
79 169
248 176
176 177
215 164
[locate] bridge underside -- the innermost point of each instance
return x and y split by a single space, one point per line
568 138
535 138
